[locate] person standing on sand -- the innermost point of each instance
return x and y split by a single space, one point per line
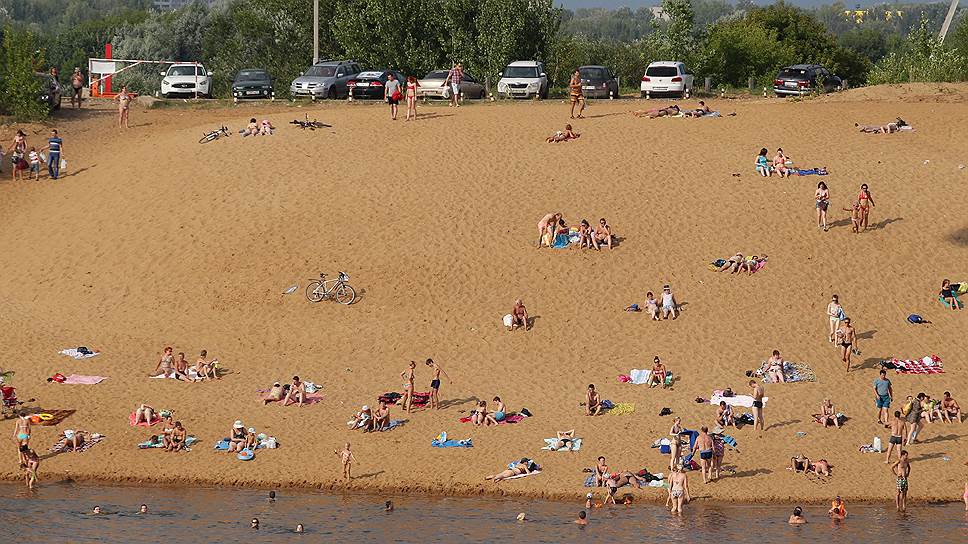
412 85
835 313
866 201
21 435
55 149
407 400
575 92
454 78
392 95
898 430
914 418
847 340
883 395
30 465
822 197
902 471
758 419
346 458
77 84
435 384
124 101
704 445
678 490
18 151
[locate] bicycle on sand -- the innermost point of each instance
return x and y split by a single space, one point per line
338 289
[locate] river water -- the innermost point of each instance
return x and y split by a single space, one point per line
60 512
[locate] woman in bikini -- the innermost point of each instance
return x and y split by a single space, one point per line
865 200
21 434
799 463
482 417
678 490
835 312
166 365
565 440
822 197
774 369
827 414
167 430
601 472
144 414
411 97
652 306
733 263
18 150
779 163
514 469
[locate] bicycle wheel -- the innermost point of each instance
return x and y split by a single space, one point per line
313 293
345 294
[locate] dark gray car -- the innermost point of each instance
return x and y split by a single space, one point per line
326 79
598 82
252 83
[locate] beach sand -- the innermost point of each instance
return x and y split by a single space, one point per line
155 240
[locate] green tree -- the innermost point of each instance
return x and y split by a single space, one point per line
19 83
740 49
922 58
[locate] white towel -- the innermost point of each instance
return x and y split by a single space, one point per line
515 477
639 377
74 354
508 320
744 401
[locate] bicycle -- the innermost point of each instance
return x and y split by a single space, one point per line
337 289
311 125
214 135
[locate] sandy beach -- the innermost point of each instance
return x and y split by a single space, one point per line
153 240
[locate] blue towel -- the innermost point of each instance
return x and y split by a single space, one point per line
561 241
590 481
452 443
811 172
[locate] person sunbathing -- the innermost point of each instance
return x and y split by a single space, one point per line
724 415
381 419
658 112
949 292
144 414
593 402
166 365
206 369
563 135
821 468
774 368
584 235
516 468
181 367
252 129
296 393
733 263
251 441
275 394
500 412
565 440
266 128
779 163
752 264
625 478
178 436
700 111
363 418
889 128
949 408
519 316
827 414
237 438
799 463
658 374
168 427
75 439
601 472
602 235
652 306
763 165
482 417
669 304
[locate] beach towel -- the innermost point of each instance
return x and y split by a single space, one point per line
510 418
810 172
711 114
948 304
79 353
154 420
158 443
561 241
621 408
575 444
55 417
639 377
744 401
419 399
590 481
89 442
394 423
451 443
223 445
927 365
84 380
515 477
173 376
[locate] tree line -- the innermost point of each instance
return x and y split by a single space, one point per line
729 43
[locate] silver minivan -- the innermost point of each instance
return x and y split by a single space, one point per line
325 79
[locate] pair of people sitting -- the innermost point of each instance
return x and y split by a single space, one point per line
291 393
369 421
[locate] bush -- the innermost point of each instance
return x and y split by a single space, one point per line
922 58
19 84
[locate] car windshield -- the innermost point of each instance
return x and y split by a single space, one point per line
186 71
521 71
662 71
595 74
321 71
437 74
369 75
792 73
251 75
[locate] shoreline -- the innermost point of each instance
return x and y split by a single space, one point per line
334 488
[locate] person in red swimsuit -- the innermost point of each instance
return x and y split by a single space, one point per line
866 201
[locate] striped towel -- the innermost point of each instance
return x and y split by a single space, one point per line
928 365
89 442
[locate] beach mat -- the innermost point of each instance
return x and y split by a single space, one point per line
550 442
80 379
61 445
931 364
74 354
154 421
621 409
57 417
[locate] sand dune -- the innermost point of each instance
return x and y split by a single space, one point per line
157 240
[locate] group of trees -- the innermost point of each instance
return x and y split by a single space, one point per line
728 42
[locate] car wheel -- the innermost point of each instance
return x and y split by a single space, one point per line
332 93
165 95
482 95
543 94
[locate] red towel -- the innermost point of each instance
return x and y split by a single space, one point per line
156 419
918 367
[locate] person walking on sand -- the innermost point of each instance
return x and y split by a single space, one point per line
124 101
835 313
898 431
883 395
704 446
678 490
454 78
18 151
577 96
412 85
435 383
914 418
866 201
822 197
758 419
902 471
346 458
31 465
407 400
21 435
55 150
847 338
392 94
77 85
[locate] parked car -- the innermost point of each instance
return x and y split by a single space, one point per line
369 85
598 82
801 79
326 79
432 86
188 78
252 83
523 79
667 78
50 91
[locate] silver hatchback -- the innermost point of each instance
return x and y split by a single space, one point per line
327 79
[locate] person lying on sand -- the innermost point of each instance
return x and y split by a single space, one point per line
381 419
166 365
602 235
563 135
516 468
821 467
177 440
296 393
252 129
481 417
701 110
827 414
752 264
889 128
276 393
799 463
625 478
565 439
206 369
144 414
75 439
266 128
658 112
593 403
733 263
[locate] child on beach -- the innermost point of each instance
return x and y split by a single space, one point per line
252 129
30 465
855 214
563 135
34 163
266 128
346 458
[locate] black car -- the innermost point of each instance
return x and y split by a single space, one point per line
371 84
598 82
801 79
50 91
252 83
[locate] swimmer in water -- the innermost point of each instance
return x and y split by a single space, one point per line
581 518
272 496
96 511
143 509
389 506
797 517
254 524
299 528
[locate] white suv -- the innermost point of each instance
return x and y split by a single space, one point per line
187 78
666 77
523 79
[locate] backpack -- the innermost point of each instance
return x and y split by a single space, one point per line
915 319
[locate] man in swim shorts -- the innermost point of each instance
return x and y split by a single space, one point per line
757 405
883 395
435 384
898 430
902 471
950 410
593 403
704 445
847 340
77 85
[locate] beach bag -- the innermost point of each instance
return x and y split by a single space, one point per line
607 404
906 409
915 319
396 95
59 378
508 320
877 444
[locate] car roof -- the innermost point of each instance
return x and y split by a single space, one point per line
253 70
524 63
802 67
666 63
186 64
333 62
